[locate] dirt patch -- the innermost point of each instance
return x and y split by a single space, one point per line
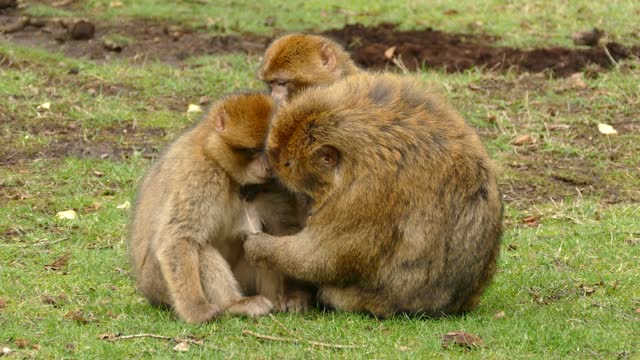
454 52
67 139
371 47
135 40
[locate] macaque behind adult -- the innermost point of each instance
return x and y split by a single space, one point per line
406 215
297 61
189 221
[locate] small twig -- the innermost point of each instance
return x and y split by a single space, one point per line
299 341
114 337
282 326
613 61
36 244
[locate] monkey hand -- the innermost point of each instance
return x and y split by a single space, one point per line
256 248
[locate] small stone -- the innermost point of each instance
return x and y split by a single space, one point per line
82 30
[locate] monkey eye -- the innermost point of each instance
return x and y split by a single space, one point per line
279 82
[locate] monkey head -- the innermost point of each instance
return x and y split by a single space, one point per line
240 123
296 61
301 151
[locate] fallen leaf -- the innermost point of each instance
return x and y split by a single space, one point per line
512 247
523 140
116 4
3 303
6 351
499 315
124 205
44 106
531 221
21 343
71 347
606 129
49 300
403 348
451 12
637 311
59 263
194 108
67 215
98 173
182 346
77 316
107 336
587 290
96 205
461 338
390 52
36 347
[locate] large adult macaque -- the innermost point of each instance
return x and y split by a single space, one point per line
406 214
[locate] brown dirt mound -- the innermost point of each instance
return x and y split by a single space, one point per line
455 52
429 48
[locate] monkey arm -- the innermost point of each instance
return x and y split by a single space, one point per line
301 256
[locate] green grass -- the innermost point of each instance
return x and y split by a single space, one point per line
534 23
569 285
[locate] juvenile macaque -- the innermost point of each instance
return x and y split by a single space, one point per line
406 214
297 61
190 218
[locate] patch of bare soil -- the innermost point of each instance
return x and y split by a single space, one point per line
67 139
376 47
371 47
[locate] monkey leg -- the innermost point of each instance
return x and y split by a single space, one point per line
353 299
221 288
179 263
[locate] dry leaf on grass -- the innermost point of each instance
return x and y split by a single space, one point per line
59 263
499 315
390 52
606 129
79 317
44 106
3 303
523 140
461 338
21 343
67 215
193 108
531 221
125 205
182 346
6 351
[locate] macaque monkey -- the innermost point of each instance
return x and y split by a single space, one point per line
406 214
190 218
297 61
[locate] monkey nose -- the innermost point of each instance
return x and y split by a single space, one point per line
268 172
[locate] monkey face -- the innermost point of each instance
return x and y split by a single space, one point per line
311 172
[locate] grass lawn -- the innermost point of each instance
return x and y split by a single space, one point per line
568 284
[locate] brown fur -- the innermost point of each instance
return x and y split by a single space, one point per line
297 61
189 222
406 216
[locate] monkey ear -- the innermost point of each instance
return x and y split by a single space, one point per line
328 57
328 156
221 120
